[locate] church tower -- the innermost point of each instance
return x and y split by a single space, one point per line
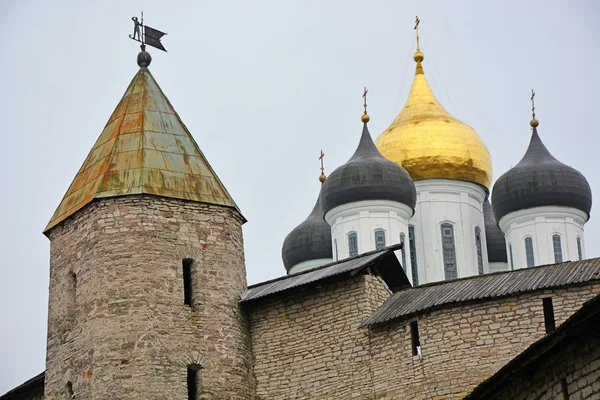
452 171
367 201
146 266
542 205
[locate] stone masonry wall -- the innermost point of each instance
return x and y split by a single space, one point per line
307 344
463 345
577 363
118 327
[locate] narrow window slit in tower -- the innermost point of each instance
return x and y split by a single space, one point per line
548 314
72 290
193 383
187 281
70 392
414 335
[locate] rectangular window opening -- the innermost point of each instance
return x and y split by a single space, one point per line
193 377
379 240
403 252
414 335
72 291
449 252
353 244
548 314
187 281
479 251
557 247
529 252
413 255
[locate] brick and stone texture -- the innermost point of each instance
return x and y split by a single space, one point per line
463 345
307 343
118 327
570 371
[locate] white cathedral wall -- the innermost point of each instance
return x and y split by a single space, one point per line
364 218
309 264
448 201
541 223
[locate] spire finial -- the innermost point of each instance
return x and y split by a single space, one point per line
322 177
418 56
534 122
146 36
365 117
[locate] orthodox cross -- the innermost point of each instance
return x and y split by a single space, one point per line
532 103
365 99
321 159
417 20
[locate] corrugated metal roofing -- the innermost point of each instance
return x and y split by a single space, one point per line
144 148
422 298
292 281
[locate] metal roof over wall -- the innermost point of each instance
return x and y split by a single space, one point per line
423 298
383 261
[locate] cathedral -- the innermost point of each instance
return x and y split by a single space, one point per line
415 276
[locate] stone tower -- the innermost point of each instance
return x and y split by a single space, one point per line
146 266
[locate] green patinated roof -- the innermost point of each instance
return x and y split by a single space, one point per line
144 148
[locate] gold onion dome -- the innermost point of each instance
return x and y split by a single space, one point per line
430 143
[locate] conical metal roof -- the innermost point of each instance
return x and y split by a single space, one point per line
539 179
144 149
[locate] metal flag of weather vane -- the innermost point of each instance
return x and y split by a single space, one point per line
146 35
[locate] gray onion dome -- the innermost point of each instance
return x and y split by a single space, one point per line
496 243
311 240
368 176
538 180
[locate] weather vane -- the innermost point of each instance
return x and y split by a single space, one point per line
417 20
146 35
322 177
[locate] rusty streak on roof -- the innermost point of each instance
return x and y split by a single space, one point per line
144 148
384 261
423 298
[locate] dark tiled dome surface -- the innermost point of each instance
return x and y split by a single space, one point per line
311 240
368 176
538 180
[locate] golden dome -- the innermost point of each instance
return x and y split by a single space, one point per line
430 143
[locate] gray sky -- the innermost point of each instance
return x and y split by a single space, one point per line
263 86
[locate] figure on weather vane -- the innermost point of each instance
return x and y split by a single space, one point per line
146 35
136 29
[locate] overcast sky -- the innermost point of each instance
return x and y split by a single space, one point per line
263 86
